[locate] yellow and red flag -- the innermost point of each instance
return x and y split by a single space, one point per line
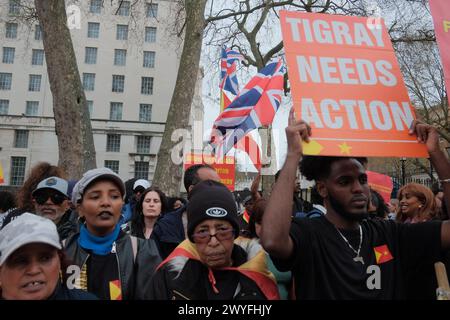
2 180
246 216
115 290
382 254
255 268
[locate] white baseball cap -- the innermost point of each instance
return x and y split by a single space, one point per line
27 228
141 183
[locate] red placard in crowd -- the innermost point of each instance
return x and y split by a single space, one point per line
381 183
225 170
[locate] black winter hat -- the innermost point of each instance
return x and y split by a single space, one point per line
211 200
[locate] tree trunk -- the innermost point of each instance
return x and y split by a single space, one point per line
167 174
72 121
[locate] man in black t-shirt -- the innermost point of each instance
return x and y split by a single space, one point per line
342 255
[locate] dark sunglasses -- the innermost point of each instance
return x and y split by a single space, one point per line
139 190
205 236
57 198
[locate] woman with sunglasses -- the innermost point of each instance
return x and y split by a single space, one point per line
212 264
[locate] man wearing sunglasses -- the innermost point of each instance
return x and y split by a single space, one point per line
212 264
51 201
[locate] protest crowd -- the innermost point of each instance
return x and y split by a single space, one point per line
91 239
97 237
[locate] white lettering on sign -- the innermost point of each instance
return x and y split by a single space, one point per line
356 114
332 70
334 32
325 107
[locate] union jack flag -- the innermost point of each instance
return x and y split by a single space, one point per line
228 79
254 107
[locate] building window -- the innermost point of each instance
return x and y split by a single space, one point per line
96 6
143 144
8 55
152 10
120 57
89 81
5 81
90 55
14 7
118 83
149 59
90 105
11 30
38 32
37 58
145 112
115 112
147 85
141 169
32 108
20 138
35 82
113 165
124 9
150 34
93 29
113 142
4 106
17 170
122 32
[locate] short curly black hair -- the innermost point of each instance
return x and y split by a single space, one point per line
318 167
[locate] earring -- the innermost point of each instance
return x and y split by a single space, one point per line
420 206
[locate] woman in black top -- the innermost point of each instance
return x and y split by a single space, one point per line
149 208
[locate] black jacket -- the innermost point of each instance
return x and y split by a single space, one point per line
67 225
168 231
135 274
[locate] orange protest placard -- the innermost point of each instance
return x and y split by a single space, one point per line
225 169
346 83
440 10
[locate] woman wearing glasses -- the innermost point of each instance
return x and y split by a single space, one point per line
212 264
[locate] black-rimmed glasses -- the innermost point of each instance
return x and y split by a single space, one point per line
205 236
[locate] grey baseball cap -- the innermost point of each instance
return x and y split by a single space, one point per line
54 183
25 229
95 174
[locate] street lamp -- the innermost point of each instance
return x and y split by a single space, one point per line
431 172
403 170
